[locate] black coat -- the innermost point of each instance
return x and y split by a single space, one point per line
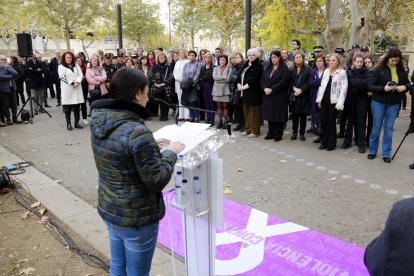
252 76
275 105
301 105
391 253
53 70
358 80
380 78
37 72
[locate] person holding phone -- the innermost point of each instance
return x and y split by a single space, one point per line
388 83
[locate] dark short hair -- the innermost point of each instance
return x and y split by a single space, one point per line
276 53
297 42
126 82
160 49
224 57
192 52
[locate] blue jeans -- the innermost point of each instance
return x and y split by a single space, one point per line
132 249
382 114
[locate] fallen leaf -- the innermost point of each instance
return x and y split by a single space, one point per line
239 170
227 191
88 274
35 205
333 179
79 143
68 153
245 244
44 164
44 219
283 161
303 178
33 150
68 144
25 215
59 181
42 210
27 271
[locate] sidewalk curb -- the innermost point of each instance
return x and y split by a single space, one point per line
77 214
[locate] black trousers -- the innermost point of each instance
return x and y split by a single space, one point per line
299 118
328 124
58 91
20 92
83 107
275 130
357 110
76 112
343 120
369 121
8 102
163 107
238 113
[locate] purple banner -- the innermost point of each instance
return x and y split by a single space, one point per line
254 243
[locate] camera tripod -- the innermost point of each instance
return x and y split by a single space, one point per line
29 100
405 136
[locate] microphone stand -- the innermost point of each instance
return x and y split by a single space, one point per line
175 116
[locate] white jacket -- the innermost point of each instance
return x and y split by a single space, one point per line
339 87
178 69
70 95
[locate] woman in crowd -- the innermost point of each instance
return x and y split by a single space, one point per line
162 81
191 85
356 103
201 55
285 58
151 59
7 93
70 75
96 77
388 83
275 85
207 82
369 64
314 82
14 62
221 89
299 82
331 98
248 83
183 113
143 66
237 100
84 84
133 175
129 63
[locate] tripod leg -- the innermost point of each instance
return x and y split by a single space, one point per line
41 108
21 109
31 110
406 134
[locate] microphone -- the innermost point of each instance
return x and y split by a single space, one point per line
175 116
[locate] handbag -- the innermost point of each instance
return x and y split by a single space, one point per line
96 92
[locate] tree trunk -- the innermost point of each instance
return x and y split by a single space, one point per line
44 44
7 43
192 39
333 31
67 38
360 23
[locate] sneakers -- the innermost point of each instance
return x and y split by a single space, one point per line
252 135
85 122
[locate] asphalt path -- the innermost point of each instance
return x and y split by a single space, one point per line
340 193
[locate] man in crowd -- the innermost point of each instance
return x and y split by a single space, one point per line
121 60
218 52
37 70
53 70
7 93
109 68
317 52
295 49
365 51
140 52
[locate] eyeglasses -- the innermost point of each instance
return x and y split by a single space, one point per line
3 59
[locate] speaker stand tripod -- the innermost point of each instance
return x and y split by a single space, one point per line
29 100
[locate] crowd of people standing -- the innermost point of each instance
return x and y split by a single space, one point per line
344 88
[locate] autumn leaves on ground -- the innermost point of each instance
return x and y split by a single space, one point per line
27 247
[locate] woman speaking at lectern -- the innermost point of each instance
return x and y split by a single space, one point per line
132 172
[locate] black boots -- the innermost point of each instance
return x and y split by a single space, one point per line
77 118
67 116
